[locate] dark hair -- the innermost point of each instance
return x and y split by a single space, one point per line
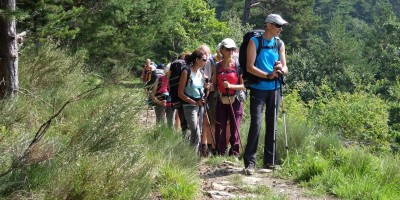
190 59
182 56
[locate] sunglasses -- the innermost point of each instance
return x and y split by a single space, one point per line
230 49
277 25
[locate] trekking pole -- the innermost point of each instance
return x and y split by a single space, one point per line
281 80
275 128
197 146
234 117
208 118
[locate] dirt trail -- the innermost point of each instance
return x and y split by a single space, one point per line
227 181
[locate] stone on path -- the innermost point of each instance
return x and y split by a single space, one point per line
265 171
221 187
220 195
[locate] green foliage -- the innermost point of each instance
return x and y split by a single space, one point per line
93 149
47 67
349 173
294 106
314 167
124 33
174 184
176 177
361 117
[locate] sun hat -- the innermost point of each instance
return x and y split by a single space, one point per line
275 18
228 43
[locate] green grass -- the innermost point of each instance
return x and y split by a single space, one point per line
173 183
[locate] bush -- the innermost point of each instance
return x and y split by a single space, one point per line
313 167
359 117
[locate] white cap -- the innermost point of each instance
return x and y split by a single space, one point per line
228 43
275 18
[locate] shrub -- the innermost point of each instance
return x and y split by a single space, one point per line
359 117
314 166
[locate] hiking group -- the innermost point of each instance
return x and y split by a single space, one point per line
203 94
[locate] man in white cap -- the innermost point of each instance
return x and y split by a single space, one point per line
267 66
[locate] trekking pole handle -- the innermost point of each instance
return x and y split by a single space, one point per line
226 89
281 79
206 80
201 96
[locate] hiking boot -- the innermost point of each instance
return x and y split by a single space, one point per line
249 170
269 166
214 152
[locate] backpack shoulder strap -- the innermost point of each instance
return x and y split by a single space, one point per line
278 43
217 67
260 44
187 69
212 61
216 72
160 82
238 70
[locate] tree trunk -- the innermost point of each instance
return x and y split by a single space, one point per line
8 51
246 11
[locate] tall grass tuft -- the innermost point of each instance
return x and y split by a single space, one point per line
176 174
173 183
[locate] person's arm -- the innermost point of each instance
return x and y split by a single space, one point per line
154 92
235 86
280 66
251 58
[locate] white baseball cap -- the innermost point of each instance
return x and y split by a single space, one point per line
228 43
275 18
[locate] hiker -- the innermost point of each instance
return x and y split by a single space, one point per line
147 69
173 74
267 66
160 96
218 58
208 137
228 80
190 91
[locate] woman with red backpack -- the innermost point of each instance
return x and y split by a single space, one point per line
160 96
228 80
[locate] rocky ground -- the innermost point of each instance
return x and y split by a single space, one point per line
228 181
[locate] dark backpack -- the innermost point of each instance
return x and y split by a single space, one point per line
154 75
248 77
176 69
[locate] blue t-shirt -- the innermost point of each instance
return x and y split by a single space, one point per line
265 61
195 83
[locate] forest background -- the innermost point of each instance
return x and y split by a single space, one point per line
343 57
